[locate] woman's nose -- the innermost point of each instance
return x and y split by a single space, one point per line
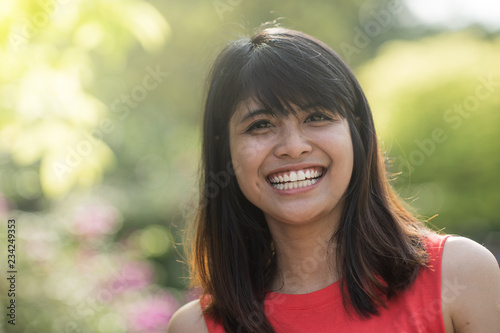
292 143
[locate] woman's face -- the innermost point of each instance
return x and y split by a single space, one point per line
296 169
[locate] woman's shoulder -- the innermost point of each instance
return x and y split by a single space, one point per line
188 319
470 286
463 257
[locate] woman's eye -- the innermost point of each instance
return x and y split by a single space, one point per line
318 117
261 124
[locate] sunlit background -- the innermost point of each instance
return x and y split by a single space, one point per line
100 109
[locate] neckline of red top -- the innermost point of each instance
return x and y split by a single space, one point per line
304 301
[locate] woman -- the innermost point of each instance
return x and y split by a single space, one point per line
298 229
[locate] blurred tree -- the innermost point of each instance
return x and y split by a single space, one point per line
436 104
47 58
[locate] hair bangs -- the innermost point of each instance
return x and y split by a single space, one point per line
283 84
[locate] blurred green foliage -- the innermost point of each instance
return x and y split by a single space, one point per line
436 102
100 109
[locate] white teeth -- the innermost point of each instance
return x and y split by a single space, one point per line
297 184
295 179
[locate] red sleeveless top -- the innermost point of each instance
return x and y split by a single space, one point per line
415 310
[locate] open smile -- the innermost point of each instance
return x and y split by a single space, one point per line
289 180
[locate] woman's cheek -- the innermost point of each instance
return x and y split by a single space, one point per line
242 154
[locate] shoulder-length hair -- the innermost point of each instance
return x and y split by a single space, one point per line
378 242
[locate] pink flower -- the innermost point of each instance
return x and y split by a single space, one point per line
133 276
95 220
153 314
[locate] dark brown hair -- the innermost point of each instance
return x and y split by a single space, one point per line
378 241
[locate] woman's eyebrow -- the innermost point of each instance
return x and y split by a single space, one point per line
255 113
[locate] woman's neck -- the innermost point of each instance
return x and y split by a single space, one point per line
306 258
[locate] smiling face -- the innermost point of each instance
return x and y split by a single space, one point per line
295 168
